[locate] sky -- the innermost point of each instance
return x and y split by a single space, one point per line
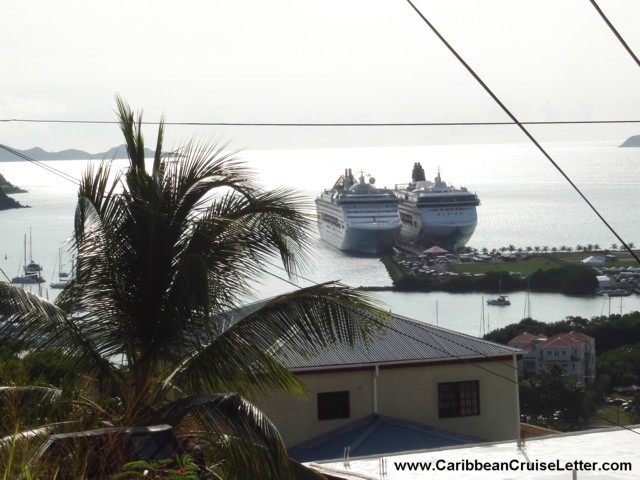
303 61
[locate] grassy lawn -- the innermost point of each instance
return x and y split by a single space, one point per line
608 416
539 261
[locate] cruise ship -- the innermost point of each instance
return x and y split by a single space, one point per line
434 213
356 216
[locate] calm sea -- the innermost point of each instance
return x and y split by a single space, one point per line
525 202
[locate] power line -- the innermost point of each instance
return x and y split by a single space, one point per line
519 124
193 223
373 319
616 33
42 165
334 124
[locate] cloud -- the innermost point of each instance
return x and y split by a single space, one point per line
20 134
12 107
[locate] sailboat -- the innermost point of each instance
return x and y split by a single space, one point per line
501 300
527 303
31 270
63 277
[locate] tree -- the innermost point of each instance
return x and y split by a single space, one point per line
155 313
554 395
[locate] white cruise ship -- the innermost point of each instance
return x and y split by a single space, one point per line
434 213
357 216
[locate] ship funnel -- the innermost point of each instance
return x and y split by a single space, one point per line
418 173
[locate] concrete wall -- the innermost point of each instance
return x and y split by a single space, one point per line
408 393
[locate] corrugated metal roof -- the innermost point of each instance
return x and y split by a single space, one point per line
563 340
404 341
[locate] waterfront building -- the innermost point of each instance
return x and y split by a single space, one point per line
575 352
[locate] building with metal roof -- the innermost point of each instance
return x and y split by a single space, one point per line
438 386
574 351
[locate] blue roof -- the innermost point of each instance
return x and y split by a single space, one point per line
376 435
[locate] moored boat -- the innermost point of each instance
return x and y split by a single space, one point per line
32 270
435 213
356 216
501 300
63 276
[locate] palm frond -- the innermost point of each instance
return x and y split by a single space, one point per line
43 325
239 434
247 356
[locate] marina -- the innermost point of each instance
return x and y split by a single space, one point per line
519 207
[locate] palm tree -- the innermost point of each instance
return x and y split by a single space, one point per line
156 314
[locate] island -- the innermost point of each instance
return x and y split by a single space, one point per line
633 141
6 202
37 153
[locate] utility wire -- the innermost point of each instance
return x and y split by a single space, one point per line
515 121
520 125
377 321
615 32
49 168
335 124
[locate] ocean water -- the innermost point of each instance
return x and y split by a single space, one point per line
525 202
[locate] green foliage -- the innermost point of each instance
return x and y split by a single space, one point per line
634 409
181 468
154 322
555 399
608 332
568 279
621 365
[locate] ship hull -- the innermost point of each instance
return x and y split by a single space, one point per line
372 239
358 217
449 228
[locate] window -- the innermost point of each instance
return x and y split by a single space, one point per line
459 399
333 405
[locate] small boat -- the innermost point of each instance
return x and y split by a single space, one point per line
31 270
501 300
63 276
614 292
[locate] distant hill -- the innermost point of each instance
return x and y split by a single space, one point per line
6 202
38 153
633 141
8 187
